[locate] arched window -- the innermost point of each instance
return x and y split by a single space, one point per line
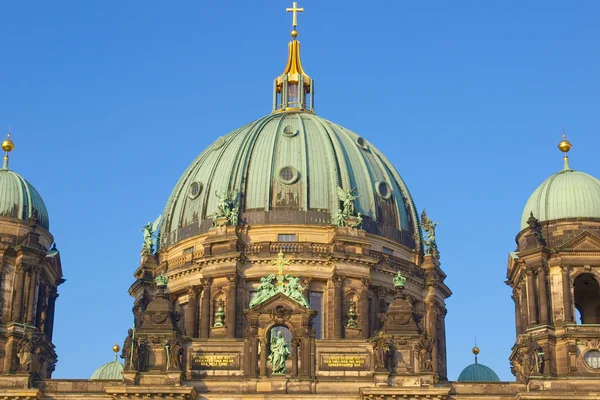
587 299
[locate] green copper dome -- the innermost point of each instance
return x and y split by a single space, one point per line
478 373
566 194
111 370
19 199
287 167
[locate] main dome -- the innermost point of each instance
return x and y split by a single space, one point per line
566 194
287 167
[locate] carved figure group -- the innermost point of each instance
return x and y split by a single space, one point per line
346 209
293 289
429 228
227 210
279 354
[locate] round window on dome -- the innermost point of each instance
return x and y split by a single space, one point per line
383 190
195 189
220 142
290 131
592 359
288 175
362 143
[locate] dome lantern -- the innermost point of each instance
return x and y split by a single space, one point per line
293 89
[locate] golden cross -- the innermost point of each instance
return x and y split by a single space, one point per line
280 262
295 10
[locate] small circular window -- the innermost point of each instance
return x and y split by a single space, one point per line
362 143
290 131
383 190
220 142
195 189
288 175
592 359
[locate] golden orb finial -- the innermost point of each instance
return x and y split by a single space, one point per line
116 348
475 350
564 144
8 145
294 33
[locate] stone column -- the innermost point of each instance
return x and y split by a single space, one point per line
363 309
18 299
295 350
515 297
205 308
531 306
51 307
338 299
523 304
191 312
32 292
566 289
230 313
543 295
432 317
263 357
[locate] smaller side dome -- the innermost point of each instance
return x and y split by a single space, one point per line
478 373
19 199
109 371
566 194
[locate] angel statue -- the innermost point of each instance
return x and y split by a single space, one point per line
429 227
150 236
346 200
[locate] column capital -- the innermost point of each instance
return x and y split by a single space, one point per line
192 291
338 280
233 279
206 283
365 283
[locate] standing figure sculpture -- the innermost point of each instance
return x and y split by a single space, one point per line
150 236
175 353
129 353
381 346
429 227
25 352
279 354
425 352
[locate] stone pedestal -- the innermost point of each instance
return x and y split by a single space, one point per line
353 333
381 378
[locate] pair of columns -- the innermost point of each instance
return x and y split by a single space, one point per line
26 288
191 311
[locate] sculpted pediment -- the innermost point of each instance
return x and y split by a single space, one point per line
275 303
582 242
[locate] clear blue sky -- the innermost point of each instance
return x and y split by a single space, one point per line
109 101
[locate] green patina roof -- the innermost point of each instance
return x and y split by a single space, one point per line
19 199
566 194
111 370
478 373
323 155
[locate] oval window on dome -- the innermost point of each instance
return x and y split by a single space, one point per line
290 131
592 359
362 143
195 189
288 175
220 142
383 190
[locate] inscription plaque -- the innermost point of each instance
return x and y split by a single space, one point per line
338 362
215 360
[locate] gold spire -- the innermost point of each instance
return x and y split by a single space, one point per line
7 145
565 146
293 88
